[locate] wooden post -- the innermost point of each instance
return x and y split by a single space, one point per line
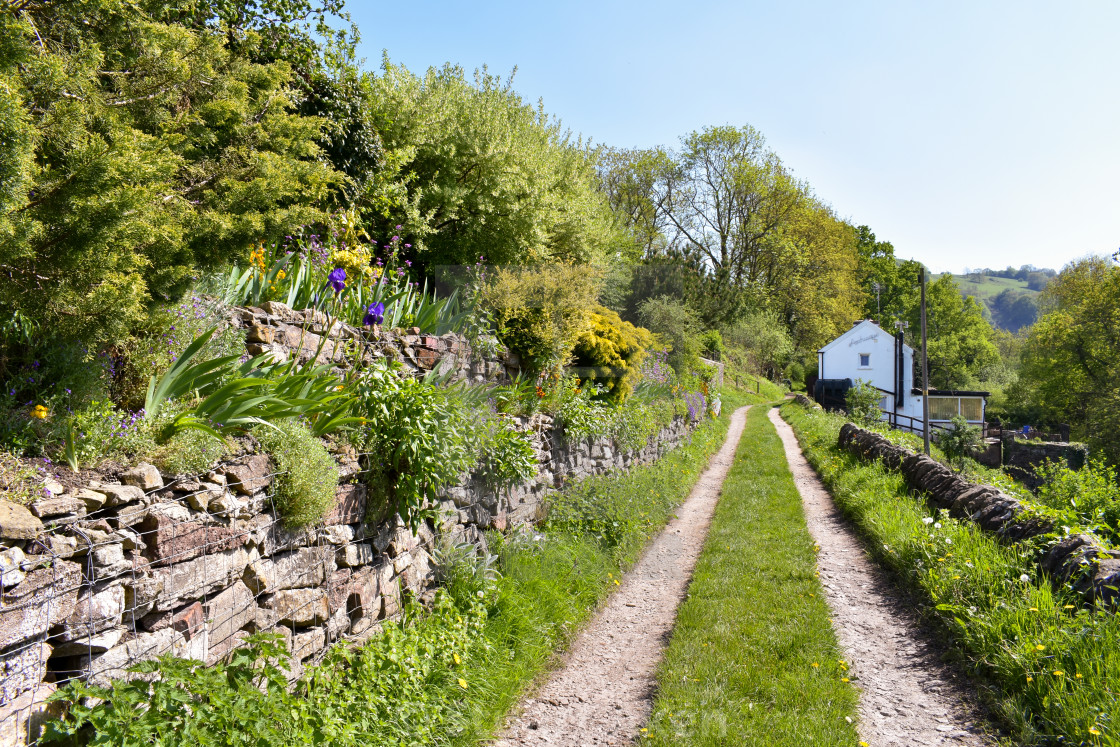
925 367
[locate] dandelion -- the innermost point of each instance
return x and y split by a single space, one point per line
1094 731
1025 578
1059 673
462 683
816 665
456 658
1030 679
927 520
1040 647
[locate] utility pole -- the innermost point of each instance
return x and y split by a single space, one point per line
925 367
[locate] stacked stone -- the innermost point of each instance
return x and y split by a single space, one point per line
1079 559
131 565
276 330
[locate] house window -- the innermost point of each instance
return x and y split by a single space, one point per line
972 408
865 360
943 408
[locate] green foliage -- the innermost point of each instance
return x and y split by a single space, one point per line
677 326
188 452
307 477
417 438
506 457
1048 663
142 150
611 351
958 440
758 343
863 403
401 688
483 173
1089 496
540 313
1071 360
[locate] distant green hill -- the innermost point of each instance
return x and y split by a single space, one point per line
1009 296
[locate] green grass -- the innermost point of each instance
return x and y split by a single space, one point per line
1047 665
753 659
985 288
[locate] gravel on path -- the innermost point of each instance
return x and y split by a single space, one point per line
603 693
909 696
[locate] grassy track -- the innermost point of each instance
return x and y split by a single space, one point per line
1047 665
549 589
753 659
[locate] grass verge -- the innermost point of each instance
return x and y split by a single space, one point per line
1048 666
753 659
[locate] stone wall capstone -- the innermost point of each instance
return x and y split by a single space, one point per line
1081 559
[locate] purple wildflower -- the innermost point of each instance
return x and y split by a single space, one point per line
375 314
337 279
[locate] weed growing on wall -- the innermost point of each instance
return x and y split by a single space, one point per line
307 477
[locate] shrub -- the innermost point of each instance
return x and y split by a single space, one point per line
307 480
863 403
506 457
611 351
1090 495
189 452
541 312
677 326
417 439
959 439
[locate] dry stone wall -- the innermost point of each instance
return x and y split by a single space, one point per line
129 565
1079 559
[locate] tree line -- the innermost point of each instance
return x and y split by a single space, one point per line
144 144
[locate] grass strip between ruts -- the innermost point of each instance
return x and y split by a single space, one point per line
1047 664
753 659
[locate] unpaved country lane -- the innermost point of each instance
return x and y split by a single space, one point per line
909 697
604 691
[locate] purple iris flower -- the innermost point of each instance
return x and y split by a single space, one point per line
337 279
375 314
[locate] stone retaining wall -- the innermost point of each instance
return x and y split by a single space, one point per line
1021 457
1081 559
135 563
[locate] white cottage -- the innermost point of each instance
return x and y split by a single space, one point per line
869 352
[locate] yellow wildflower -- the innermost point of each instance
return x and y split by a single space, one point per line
456 658
39 412
462 683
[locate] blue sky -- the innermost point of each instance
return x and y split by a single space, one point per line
968 134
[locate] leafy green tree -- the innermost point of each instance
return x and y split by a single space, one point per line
138 151
1071 360
677 326
961 342
485 174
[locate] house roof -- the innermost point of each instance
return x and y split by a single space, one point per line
858 330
